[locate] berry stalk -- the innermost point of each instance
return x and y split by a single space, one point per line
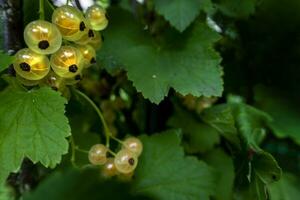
42 9
106 129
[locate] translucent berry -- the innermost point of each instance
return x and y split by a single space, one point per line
134 145
67 62
89 54
70 22
92 38
42 37
96 17
30 65
109 169
125 161
86 38
97 154
96 41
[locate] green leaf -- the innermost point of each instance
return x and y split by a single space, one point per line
282 109
180 13
266 167
5 61
32 125
251 123
199 137
225 173
237 8
221 118
6 193
285 189
165 173
188 63
257 171
79 185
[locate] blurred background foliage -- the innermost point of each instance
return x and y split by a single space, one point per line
245 128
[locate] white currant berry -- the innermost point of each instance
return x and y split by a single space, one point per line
109 169
134 145
97 154
125 161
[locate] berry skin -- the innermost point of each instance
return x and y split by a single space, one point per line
70 22
87 37
97 154
134 145
42 37
125 161
92 38
96 41
109 169
67 62
30 65
89 54
96 17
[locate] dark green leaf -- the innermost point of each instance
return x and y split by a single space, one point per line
251 123
266 167
189 64
285 189
79 185
31 11
5 61
283 110
199 137
225 173
221 118
165 173
237 8
180 13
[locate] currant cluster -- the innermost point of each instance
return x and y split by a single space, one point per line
58 52
124 161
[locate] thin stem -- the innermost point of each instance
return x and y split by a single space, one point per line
81 150
50 4
111 152
68 1
42 9
116 139
106 129
73 148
